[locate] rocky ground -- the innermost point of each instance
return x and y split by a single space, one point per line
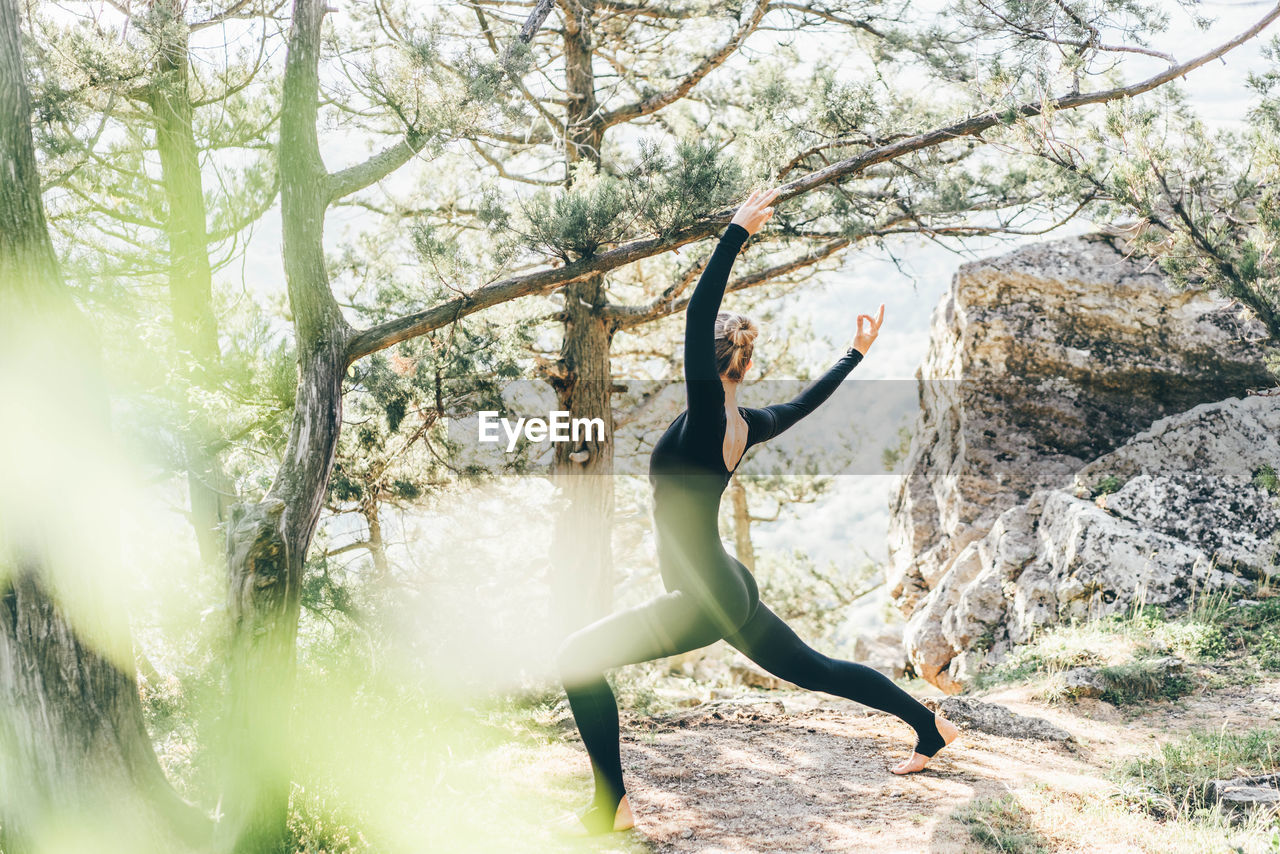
800 772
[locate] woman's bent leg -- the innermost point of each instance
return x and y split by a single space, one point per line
666 625
770 643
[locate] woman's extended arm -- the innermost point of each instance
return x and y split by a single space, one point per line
780 416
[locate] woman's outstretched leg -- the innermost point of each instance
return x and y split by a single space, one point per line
666 625
771 643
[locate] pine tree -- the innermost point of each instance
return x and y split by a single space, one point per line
75 757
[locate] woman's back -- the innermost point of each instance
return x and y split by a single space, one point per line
687 467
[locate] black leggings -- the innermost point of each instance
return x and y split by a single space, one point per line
678 622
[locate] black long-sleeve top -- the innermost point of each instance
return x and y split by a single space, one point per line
693 443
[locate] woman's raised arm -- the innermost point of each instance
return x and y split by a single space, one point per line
702 380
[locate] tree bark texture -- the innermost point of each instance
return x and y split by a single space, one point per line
267 541
73 744
581 576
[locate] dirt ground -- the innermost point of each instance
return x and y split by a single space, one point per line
793 771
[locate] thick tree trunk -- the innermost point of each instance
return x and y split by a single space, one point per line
742 525
75 757
582 557
583 134
267 544
190 276
581 554
268 541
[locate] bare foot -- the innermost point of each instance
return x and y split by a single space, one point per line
576 824
623 819
949 732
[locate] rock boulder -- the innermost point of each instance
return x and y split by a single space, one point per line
1057 372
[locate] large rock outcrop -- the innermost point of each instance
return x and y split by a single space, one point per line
1044 362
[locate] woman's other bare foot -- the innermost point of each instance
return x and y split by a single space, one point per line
623 819
583 823
949 732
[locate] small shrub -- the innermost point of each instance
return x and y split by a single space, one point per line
1195 639
1128 684
1265 478
1174 783
639 698
1001 824
1212 630
1052 651
1254 630
985 641
1107 485
316 827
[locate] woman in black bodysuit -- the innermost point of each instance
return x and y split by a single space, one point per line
710 594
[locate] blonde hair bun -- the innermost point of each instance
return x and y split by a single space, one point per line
735 339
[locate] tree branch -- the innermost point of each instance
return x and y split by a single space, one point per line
626 316
409 326
388 160
662 99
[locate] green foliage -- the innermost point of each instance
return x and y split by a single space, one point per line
839 107
1265 478
399 403
660 193
1057 649
670 191
983 642
812 598
1138 681
895 455
1001 824
1106 485
639 697
327 592
575 223
1254 632
1174 782
1205 202
317 825
1243 637
1202 639
1017 50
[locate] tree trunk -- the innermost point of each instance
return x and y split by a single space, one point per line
267 542
190 276
377 545
581 555
742 525
75 758
583 134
